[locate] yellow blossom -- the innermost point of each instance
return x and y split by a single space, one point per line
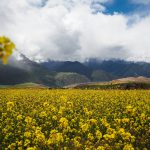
98 134
128 147
43 114
109 136
19 117
10 106
54 117
90 137
93 121
76 142
55 137
63 122
100 148
27 142
32 148
85 127
45 104
125 120
28 119
27 134
39 119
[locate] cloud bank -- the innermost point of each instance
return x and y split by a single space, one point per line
74 30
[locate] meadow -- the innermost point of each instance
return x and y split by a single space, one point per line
41 119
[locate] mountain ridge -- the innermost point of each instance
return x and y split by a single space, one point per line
62 73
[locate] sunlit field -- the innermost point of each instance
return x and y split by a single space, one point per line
36 119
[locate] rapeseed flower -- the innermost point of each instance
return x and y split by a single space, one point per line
63 122
98 134
81 119
128 147
85 127
27 134
10 105
55 137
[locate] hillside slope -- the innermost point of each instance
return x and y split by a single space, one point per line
124 83
25 70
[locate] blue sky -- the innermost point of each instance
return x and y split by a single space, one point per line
127 6
78 29
121 6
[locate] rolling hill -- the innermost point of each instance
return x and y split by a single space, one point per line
124 84
25 85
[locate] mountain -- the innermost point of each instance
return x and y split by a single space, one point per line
96 70
101 75
68 78
25 70
121 68
62 73
68 66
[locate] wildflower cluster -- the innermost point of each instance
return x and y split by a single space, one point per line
74 119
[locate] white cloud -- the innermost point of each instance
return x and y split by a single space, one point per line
69 30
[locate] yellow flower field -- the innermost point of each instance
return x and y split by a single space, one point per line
35 119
